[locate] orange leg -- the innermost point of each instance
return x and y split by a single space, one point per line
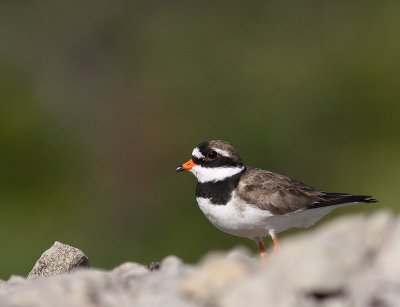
261 248
276 242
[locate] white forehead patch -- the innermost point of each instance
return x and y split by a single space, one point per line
196 153
223 152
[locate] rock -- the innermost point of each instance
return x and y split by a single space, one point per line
352 261
130 270
16 279
59 259
319 268
154 266
216 273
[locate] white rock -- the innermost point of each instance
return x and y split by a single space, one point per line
352 261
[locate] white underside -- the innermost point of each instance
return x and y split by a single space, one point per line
246 220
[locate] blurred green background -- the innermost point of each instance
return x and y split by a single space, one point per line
101 100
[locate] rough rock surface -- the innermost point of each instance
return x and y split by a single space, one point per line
352 261
58 259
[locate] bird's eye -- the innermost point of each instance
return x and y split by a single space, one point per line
212 154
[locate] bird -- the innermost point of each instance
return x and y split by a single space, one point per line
255 203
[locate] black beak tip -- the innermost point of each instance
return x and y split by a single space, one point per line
179 169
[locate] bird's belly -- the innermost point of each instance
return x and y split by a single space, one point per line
246 220
236 217
301 218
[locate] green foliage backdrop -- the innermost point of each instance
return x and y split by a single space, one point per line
101 100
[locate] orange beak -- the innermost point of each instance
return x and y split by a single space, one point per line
186 166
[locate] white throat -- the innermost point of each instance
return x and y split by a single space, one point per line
207 174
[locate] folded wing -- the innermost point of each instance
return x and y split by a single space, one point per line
281 195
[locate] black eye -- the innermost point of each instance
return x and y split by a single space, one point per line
212 154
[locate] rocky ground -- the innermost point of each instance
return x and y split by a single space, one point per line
352 261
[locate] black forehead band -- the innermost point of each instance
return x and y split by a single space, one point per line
220 161
203 148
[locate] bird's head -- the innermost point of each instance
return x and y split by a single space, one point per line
213 161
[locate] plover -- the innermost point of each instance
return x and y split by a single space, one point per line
254 203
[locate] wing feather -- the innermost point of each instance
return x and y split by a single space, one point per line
281 195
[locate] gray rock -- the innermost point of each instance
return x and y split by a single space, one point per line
352 261
58 259
326 267
16 279
154 266
130 270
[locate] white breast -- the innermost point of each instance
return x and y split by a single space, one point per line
245 220
236 217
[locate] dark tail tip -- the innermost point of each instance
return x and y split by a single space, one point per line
341 198
361 199
369 199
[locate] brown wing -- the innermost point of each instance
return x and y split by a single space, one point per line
277 193
281 195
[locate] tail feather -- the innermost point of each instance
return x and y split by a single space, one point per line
331 199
